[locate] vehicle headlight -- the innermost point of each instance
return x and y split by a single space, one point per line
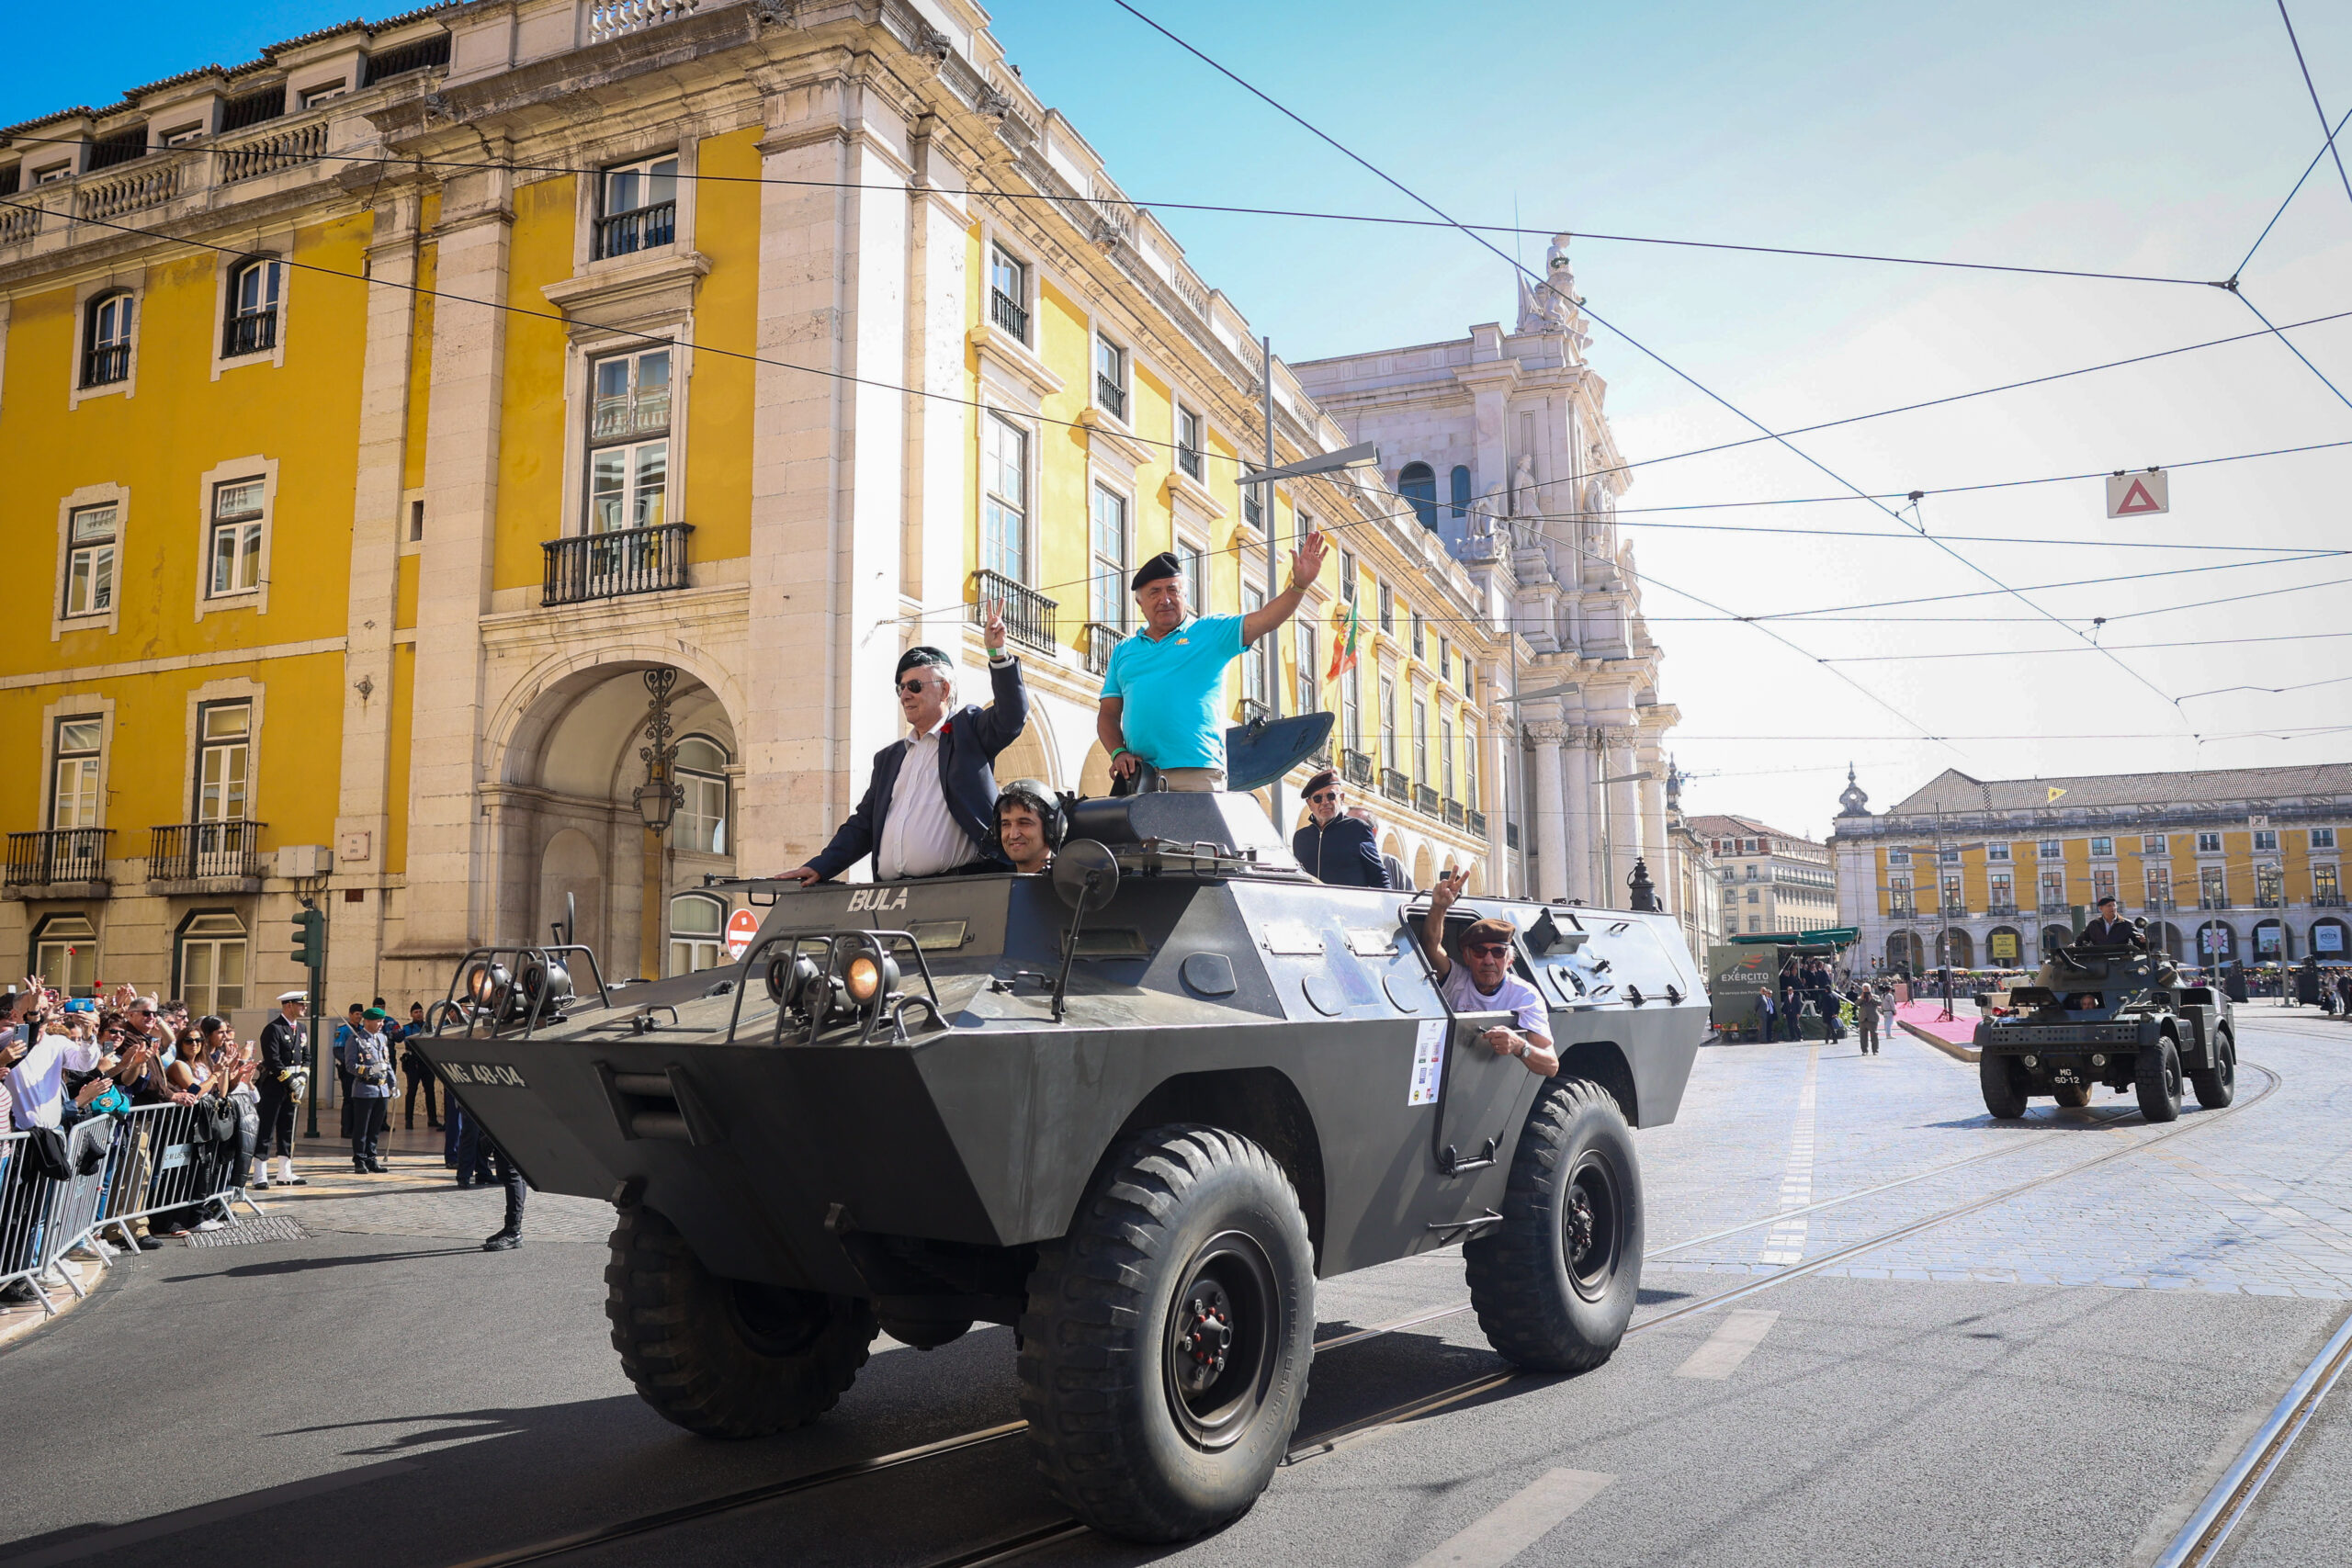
870 974
2033 1061
486 984
788 976
2098 1061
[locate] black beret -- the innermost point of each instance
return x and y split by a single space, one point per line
1164 564
1320 782
916 657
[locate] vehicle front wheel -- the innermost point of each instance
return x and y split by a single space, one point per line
725 1358
2157 1076
2073 1096
1165 1349
2217 1084
1554 1283
2004 1081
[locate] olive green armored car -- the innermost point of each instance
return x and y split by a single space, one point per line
1135 1108
2117 1016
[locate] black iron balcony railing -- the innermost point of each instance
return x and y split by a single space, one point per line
606 565
1110 395
57 854
642 228
2053 906
1007 313
1252 710
1899 909
194 852
1357 766
252 332
1425 800
1394 785
1453 809
2161 904
1955 908
106 365
2213 901
1476 822
2000 909
1028 614
2327 900
1190 459
1098 641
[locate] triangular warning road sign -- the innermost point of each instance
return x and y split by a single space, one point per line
2137 499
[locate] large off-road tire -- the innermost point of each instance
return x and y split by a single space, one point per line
1165 1348
725 1358
2073 1096
1554 1283
2217 1084
2004 1081
2157 1076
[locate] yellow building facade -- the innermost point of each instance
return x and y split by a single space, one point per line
394 412
2226 866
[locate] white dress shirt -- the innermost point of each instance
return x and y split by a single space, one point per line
918 837
36 1082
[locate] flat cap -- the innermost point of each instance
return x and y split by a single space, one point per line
919 656
1164 564
1489 931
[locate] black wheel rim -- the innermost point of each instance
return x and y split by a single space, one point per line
2229 1055
1592 1225
1224 1323
774 1321
2172 1073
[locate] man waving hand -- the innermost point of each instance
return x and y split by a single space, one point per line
1160 692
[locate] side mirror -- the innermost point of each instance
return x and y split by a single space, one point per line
1085 874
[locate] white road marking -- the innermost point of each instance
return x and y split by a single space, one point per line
1785 1244
1520 1523
1728 1346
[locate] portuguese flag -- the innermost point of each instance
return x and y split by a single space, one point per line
1346 624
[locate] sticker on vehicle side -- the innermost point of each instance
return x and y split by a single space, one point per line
497 1075
1429 1062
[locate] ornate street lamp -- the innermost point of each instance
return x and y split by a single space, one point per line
659 797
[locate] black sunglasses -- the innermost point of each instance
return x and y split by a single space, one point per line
1327 794
913 688
1492 949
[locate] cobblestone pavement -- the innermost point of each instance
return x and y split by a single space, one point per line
2258 1201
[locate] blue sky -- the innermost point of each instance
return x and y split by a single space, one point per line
2147 138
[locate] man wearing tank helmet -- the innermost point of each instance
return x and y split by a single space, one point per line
1029 825
931 807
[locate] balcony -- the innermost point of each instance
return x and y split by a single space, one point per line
1028 614
106 365
1357 765
59 862
1955 909
1252 710
2005 909
1005 311
2053 907
1394 785
2327 900
1425 800
1510 835
643 228
1110 395
607 566
1476 822
1453 812
2213 901
254 331
206 857
2161 904
1098 639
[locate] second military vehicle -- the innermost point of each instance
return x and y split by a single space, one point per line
1135 1108
2113 1015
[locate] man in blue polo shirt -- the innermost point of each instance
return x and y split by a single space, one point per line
1160 692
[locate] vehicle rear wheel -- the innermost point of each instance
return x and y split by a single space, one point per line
2073 1096
1165 1349
1554 1283
2217 1085
2004 1081
2157 1076
725 1358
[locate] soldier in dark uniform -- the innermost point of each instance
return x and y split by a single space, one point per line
284 1068
2107 930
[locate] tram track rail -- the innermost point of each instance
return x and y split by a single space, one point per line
1331 1440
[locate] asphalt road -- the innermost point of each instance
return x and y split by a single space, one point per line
2056 1379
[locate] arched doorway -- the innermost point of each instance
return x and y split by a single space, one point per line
2330 941
1424 868
2270 941
2053 938
1953 947
1903 952
2166 935
2005 947
2216 942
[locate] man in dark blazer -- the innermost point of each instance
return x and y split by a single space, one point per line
932 803
2108 930
1335 847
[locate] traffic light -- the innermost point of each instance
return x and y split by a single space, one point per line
310 937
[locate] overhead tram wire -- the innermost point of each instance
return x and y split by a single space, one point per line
2325 148
2075 648
2304 66
1710 393
1143 204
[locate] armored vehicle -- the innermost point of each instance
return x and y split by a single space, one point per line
2113 1015
1135 1108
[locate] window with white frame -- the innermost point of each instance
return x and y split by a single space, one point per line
1420 742
1111 376
628 441
2265 840
697 933
2051 849
2322 837
74 785
1352 708
52 174
92 535
1253 500
2152 843
700 827
637 206
180 136
65 953
1445 754
1388 757
1008 292
106 339
1257 657
1996 851
1310 669
1194 560
233 550
251 326
212 951
1191 436
326 93
1106 584
1004 500
223 759
1469 765
2209 843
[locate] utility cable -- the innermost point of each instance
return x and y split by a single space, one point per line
1498 252
2304 66
2073 648
2281 335
2074 582
1141 204
2325 148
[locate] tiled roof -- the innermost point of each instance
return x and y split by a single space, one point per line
1954 791
1742 826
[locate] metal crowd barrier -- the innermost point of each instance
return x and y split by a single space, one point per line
156 1159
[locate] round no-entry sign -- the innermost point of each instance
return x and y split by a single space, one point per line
741 927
